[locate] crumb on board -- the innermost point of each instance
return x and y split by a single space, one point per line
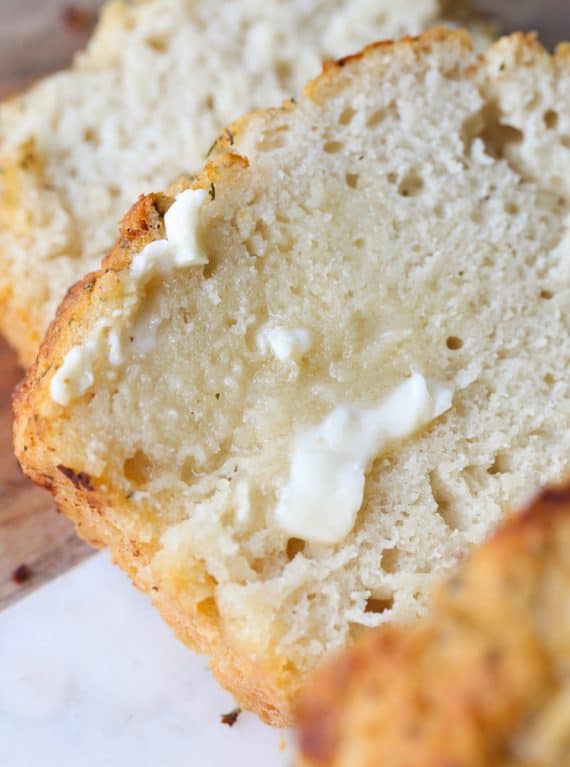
231 717
22 574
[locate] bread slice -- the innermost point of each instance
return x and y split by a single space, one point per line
294 396
485 682
139 108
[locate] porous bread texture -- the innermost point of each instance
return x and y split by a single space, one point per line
485 682
411 212
140 107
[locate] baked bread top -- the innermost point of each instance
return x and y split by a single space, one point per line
485 682
140 107
298 393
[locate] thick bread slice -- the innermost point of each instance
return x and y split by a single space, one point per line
485 682
140 107
376 283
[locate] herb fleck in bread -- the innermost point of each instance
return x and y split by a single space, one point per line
485 682
139 108
375 278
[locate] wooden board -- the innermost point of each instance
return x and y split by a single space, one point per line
38 37
36 543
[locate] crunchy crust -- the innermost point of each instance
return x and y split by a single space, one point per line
466 687
267 687
78 496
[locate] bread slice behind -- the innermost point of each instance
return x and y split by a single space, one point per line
372 283
140 107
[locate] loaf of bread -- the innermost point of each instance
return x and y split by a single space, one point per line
300 391
139 108
485 682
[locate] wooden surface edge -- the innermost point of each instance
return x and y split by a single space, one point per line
37 544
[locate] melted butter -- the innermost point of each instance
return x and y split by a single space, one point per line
181 248
324 493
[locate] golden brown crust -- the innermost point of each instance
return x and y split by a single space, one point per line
266 688
469 686
257 688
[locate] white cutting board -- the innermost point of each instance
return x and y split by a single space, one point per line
90 676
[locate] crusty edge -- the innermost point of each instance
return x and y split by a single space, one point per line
267 690
78 497
319 708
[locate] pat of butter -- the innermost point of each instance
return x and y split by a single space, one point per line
182 244
181 248
286 344
75 376
325 489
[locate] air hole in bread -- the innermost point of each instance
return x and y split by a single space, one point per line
285 246
498 137
263 230
551 119
389 560
210 268
294 546
333 147
445 502
486 125
511 208
476 216
475 477
283 72
346 116
379 604
546 295
157 44
138 469
270 143
273 140
501 464
90 135
187 471
454 343
208 608
411 185
352 180
376 118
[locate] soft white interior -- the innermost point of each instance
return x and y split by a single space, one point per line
141 106
412 217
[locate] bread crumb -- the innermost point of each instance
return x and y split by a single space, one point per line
22 574
231 717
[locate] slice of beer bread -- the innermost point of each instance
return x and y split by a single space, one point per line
485 682
301 391
139 108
